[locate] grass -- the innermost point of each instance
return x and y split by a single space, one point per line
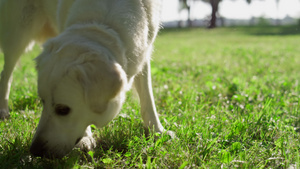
232 95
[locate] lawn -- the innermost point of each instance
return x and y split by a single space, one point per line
231 95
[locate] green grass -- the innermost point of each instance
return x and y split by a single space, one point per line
232 95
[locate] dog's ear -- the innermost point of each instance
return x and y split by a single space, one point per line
43 58
100 80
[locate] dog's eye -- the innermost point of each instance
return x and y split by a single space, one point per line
62 110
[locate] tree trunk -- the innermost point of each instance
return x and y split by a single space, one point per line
189 16
188 7
214 5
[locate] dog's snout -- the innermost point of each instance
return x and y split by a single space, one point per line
37 148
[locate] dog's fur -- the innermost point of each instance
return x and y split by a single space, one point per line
99 48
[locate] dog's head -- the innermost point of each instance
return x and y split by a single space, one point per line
79 85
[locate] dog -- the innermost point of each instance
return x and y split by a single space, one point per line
94 51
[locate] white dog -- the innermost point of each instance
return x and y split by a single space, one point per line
100 47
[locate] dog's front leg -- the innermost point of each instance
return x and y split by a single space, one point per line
143 85
87 142
11 57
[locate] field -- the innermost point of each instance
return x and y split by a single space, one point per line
231 95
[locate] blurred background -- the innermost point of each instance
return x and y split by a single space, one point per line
219 13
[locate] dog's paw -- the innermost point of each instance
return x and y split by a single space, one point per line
86 144
4 114
169 133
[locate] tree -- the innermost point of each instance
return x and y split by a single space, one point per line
277 8
186 4
214 9
214 6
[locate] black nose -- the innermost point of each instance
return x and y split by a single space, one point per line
38 148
